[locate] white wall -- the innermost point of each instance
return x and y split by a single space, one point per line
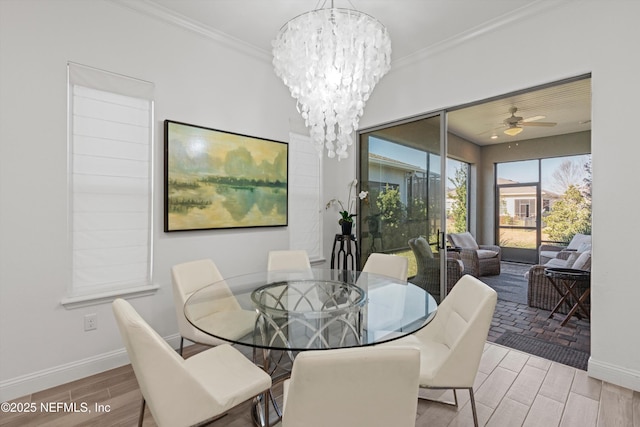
563 39
197 81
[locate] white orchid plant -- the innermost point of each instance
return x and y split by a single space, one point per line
346 214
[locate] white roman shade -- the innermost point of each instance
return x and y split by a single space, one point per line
110 158
305 168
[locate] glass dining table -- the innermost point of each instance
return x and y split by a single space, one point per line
281 313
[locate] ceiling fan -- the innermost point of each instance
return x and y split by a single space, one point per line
515 123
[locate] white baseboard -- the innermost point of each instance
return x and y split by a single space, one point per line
51 377
614 374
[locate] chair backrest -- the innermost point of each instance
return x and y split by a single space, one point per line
420 247
192 276
288 260
387 265
174 397
580 242
463 240
367 386
461 325
428 268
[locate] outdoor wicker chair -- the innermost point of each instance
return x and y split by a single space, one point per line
478 260
542 294
428 274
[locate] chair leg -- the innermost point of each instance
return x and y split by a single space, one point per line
141 417
455 401
473 407
181 345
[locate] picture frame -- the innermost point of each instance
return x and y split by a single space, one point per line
215 179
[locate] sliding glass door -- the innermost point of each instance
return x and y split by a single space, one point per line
518 221
403 169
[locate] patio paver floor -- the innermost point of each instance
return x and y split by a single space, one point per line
534 322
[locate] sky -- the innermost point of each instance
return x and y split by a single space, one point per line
527 171
516 171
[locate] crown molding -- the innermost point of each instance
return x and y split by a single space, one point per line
161 13
524 12
154 10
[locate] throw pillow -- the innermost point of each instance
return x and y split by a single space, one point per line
581 262
486 254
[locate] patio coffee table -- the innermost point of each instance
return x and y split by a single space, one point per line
568 281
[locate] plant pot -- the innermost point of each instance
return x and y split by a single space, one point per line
346 228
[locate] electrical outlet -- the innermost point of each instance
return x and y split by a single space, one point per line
90 322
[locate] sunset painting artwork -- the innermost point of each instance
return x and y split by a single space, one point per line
216 179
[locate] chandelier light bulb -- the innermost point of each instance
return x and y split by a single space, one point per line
331 59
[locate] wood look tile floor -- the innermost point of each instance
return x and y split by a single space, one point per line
511 389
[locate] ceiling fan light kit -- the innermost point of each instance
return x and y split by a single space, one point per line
513 131
331 59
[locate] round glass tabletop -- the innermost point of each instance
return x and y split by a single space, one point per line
309 309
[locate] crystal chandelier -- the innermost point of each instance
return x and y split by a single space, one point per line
331 59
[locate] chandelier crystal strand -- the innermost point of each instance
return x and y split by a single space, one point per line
331 59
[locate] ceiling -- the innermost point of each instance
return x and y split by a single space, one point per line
568 105
415 27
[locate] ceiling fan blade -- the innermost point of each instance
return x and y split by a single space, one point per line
534 118
542 124
494 130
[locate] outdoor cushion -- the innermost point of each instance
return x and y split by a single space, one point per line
485 254
547 255
559 263
584 246
425 246
578 240
464 240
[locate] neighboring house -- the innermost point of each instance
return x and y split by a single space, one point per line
384 171
519 203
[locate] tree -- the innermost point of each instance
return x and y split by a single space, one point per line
390 206
458 209
569 216
567 174
586 190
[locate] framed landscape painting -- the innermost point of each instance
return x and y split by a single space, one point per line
215 179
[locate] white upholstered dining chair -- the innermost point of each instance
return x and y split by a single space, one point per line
223 311
387 265
353 387
288 260
183 392
386 303
452 344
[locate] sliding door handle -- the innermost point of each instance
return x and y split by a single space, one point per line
441 240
